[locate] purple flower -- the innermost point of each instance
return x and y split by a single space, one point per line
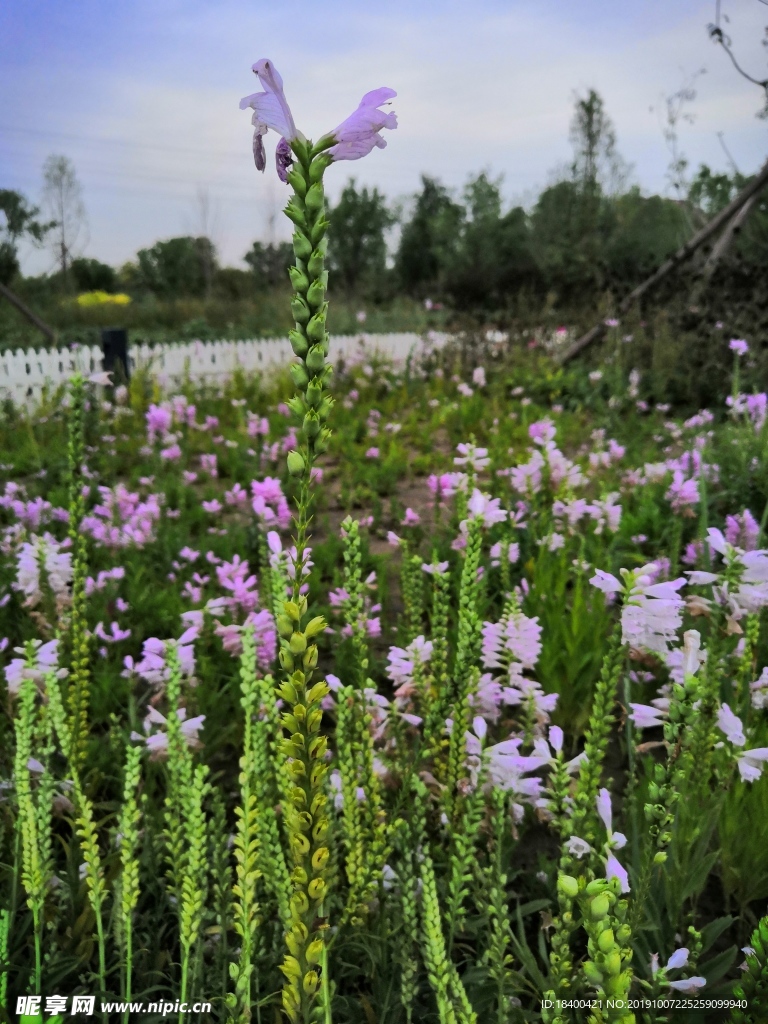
678 959
283 159
578 848
731 725
615 839
751 762
645 717
356 137
438 569
270 110
613 869
687 984
739 346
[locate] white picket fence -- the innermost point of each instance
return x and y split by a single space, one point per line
24 376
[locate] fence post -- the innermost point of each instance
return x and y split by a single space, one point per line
114 344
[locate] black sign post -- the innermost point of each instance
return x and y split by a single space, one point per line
114 342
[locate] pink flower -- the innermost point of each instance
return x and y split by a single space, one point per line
171 454
682 493
212 506
481 506
411 518
750 763
646 717
357 136
688 984
372 453
159 420
437 569
470 455
739 346
613 869
731 725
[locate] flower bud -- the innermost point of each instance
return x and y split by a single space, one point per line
300 310
315 626
316 888
295 463
292 609
311 424
299 876
299 375
311 982
299 279
297 181
320 858
290 967
297 405
316 263
599 907
299 343
321 441
309 660
315 199
300 845
284 628
320 831
314 951
299 901
318 166
286 659
568 886
315 359
606 941
314 393
318 230
316 325
660 858
295 211
302 246
613 963
298 643
592 973
316 293
316 750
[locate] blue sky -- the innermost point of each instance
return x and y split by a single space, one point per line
143 97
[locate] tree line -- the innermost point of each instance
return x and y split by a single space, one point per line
589 231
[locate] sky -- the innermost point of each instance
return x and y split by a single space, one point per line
143 97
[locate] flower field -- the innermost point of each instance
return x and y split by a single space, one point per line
579 586
384 694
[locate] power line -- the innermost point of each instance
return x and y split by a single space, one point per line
41 133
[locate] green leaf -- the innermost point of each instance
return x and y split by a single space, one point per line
715 968
699 874
711 932
532 906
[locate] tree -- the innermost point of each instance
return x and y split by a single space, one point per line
429 239
63 200
92 275
574 218
177 266
718 35
269 263
357 250
597 166
18 219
